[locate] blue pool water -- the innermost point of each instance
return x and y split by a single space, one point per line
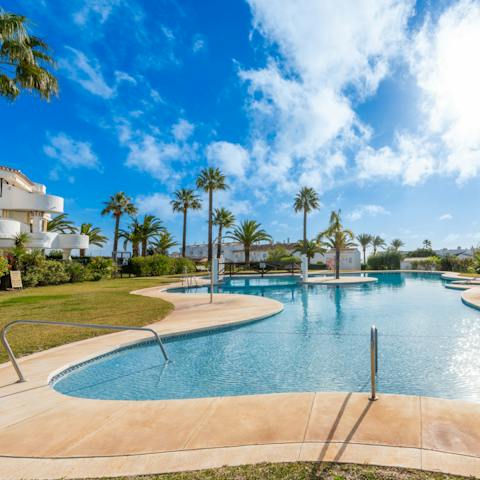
428 345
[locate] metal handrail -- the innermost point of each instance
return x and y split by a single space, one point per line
373 362
11 356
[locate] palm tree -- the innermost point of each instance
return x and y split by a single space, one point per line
117 205
248 233
310 248
61 224
378 242
132 235
396 244
364 239
163 243
94 235
306 200
210 180
21 239
150 227
337 237
185 199
427 244
222 218
24 59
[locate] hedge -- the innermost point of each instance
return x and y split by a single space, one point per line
156 265
389 260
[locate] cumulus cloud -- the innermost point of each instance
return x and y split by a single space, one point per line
367 210
71 153
299 103
231 158
445 216
156 204
99 9
183 129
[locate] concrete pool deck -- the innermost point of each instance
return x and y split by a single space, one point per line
44 434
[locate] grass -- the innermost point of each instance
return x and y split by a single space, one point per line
106 301
476 275
301 471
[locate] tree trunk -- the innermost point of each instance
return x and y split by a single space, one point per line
219 246
135 249
304 229
184 234
337 263
365 255
144 247
115 236
210 213
247 255
83 251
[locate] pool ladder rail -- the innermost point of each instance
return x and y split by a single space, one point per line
373 362
11 356
189 281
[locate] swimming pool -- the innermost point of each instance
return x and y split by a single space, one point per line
428 345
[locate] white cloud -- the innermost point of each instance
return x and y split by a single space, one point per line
367 210
411 160
445 62
183 129
156 204
231 158
298 103
124 77
153 156
445 216
71 153
199 43
87 72
100 9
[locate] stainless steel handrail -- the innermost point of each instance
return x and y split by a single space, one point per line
373 362
11 356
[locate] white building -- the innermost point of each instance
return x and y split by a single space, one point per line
458 252
233 252
25 207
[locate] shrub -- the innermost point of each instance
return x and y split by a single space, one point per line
45 272
76 272
155 265
99 268
421 253
3 266
276 254
430 263
389 260
55 255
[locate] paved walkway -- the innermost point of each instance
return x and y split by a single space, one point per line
44 434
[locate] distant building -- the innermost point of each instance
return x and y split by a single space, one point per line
25 207
233 252
458 252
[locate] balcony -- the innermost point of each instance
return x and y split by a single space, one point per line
15 199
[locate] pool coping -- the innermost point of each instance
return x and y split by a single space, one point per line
397 430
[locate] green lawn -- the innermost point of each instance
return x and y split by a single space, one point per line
106 301
301 471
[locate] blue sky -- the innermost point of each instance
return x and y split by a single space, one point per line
372 102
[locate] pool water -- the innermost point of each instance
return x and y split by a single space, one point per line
428 345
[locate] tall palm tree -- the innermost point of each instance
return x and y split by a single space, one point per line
185 199
248 233
150 227
427 244
396 244
24 59
133 235
364 239
310 248
378 242
222 218
61 224
306 200
337 237
118 205
211 180
94 235
163 243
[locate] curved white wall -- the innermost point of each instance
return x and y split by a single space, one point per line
9 228
15 199
70 241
